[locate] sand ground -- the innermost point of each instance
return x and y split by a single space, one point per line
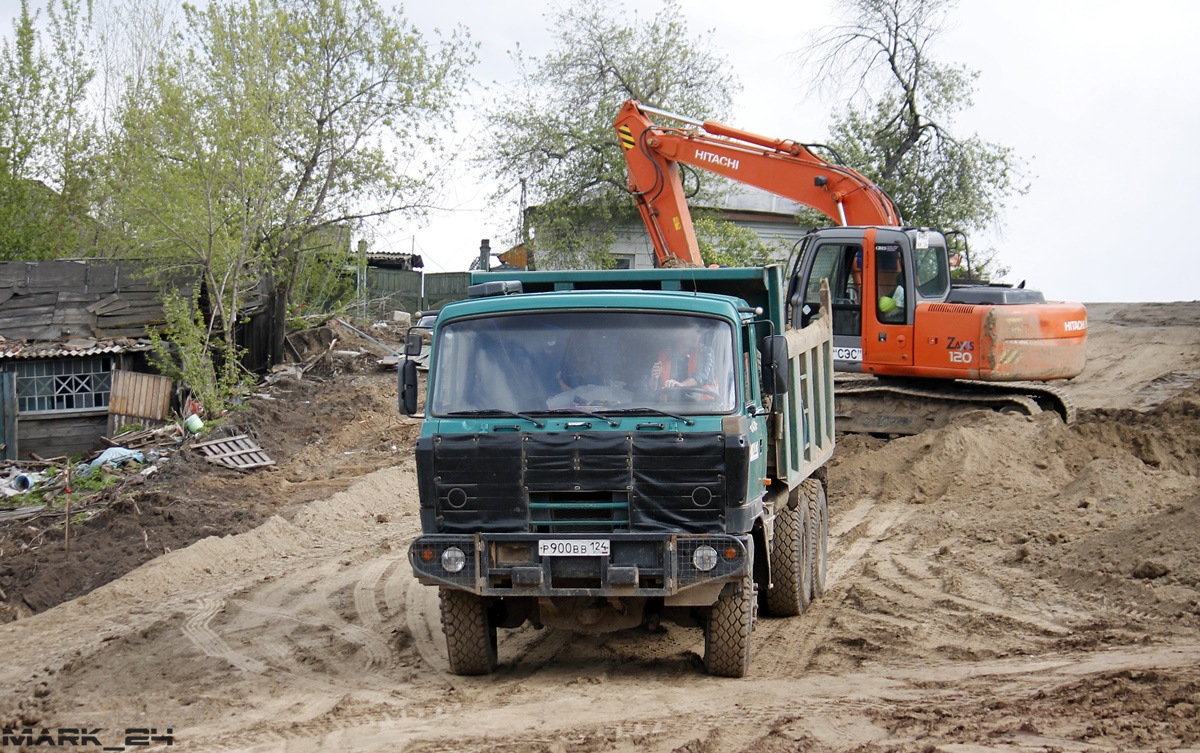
1005 583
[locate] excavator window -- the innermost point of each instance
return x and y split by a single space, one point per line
932 271
890 285
841 264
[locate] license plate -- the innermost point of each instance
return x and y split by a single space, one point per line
573 547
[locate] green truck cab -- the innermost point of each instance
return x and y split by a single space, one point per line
606 449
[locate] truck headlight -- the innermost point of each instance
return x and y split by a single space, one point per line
704 558
453 559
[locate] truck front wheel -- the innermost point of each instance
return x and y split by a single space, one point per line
470 633
727 631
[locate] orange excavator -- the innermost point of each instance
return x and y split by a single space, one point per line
935 346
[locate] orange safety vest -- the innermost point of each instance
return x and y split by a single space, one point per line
693 362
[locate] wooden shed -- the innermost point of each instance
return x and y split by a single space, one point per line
66 327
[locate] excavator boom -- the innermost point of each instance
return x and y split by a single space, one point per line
783 167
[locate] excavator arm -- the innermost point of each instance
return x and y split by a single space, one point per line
653 154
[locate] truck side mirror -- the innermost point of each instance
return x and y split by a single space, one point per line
776 366
408 385
412 343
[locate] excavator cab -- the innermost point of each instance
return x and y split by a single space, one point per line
874 293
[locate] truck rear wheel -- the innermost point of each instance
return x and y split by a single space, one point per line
791 559
727 631
470 634
818 525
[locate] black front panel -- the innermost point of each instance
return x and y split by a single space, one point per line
564 461
679 482
476 483
575 482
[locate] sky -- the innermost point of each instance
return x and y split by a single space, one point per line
1100 99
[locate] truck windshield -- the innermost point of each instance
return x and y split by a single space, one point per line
587 360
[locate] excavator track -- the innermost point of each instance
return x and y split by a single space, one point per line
890 406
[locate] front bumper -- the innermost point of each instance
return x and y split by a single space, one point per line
508 564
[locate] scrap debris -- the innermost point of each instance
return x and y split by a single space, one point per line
240 453
35 488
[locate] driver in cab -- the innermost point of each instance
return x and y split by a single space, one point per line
687 362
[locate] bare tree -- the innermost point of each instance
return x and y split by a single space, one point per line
897 125
884 52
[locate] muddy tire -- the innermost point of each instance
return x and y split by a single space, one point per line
818 530
727 631
791 560
470 634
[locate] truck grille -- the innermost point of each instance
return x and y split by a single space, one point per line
578 513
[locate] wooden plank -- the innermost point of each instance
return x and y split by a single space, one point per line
21 513
153 295
27 300
101 278
10 324
147 317
112 305
32 322
240 453
72 314
119 332
8 415
150 308
132 439
58 276
61 435
69 297
211 442
47 333
13 273
140 395
95 307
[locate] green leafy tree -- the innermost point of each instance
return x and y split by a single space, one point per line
554 135
731 245
273 122
184 351
47 136
898 129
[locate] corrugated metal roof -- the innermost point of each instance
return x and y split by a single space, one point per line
71 348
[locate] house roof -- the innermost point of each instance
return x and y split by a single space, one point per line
76 348
395 260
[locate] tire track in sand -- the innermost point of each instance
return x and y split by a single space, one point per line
785 648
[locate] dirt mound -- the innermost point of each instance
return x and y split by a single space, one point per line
1167 436
323 434
1016 532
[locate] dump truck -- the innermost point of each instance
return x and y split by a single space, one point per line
602 450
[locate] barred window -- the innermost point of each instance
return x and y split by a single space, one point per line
76 384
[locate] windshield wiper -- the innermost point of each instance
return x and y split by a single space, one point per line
496 412
654 412
580 412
